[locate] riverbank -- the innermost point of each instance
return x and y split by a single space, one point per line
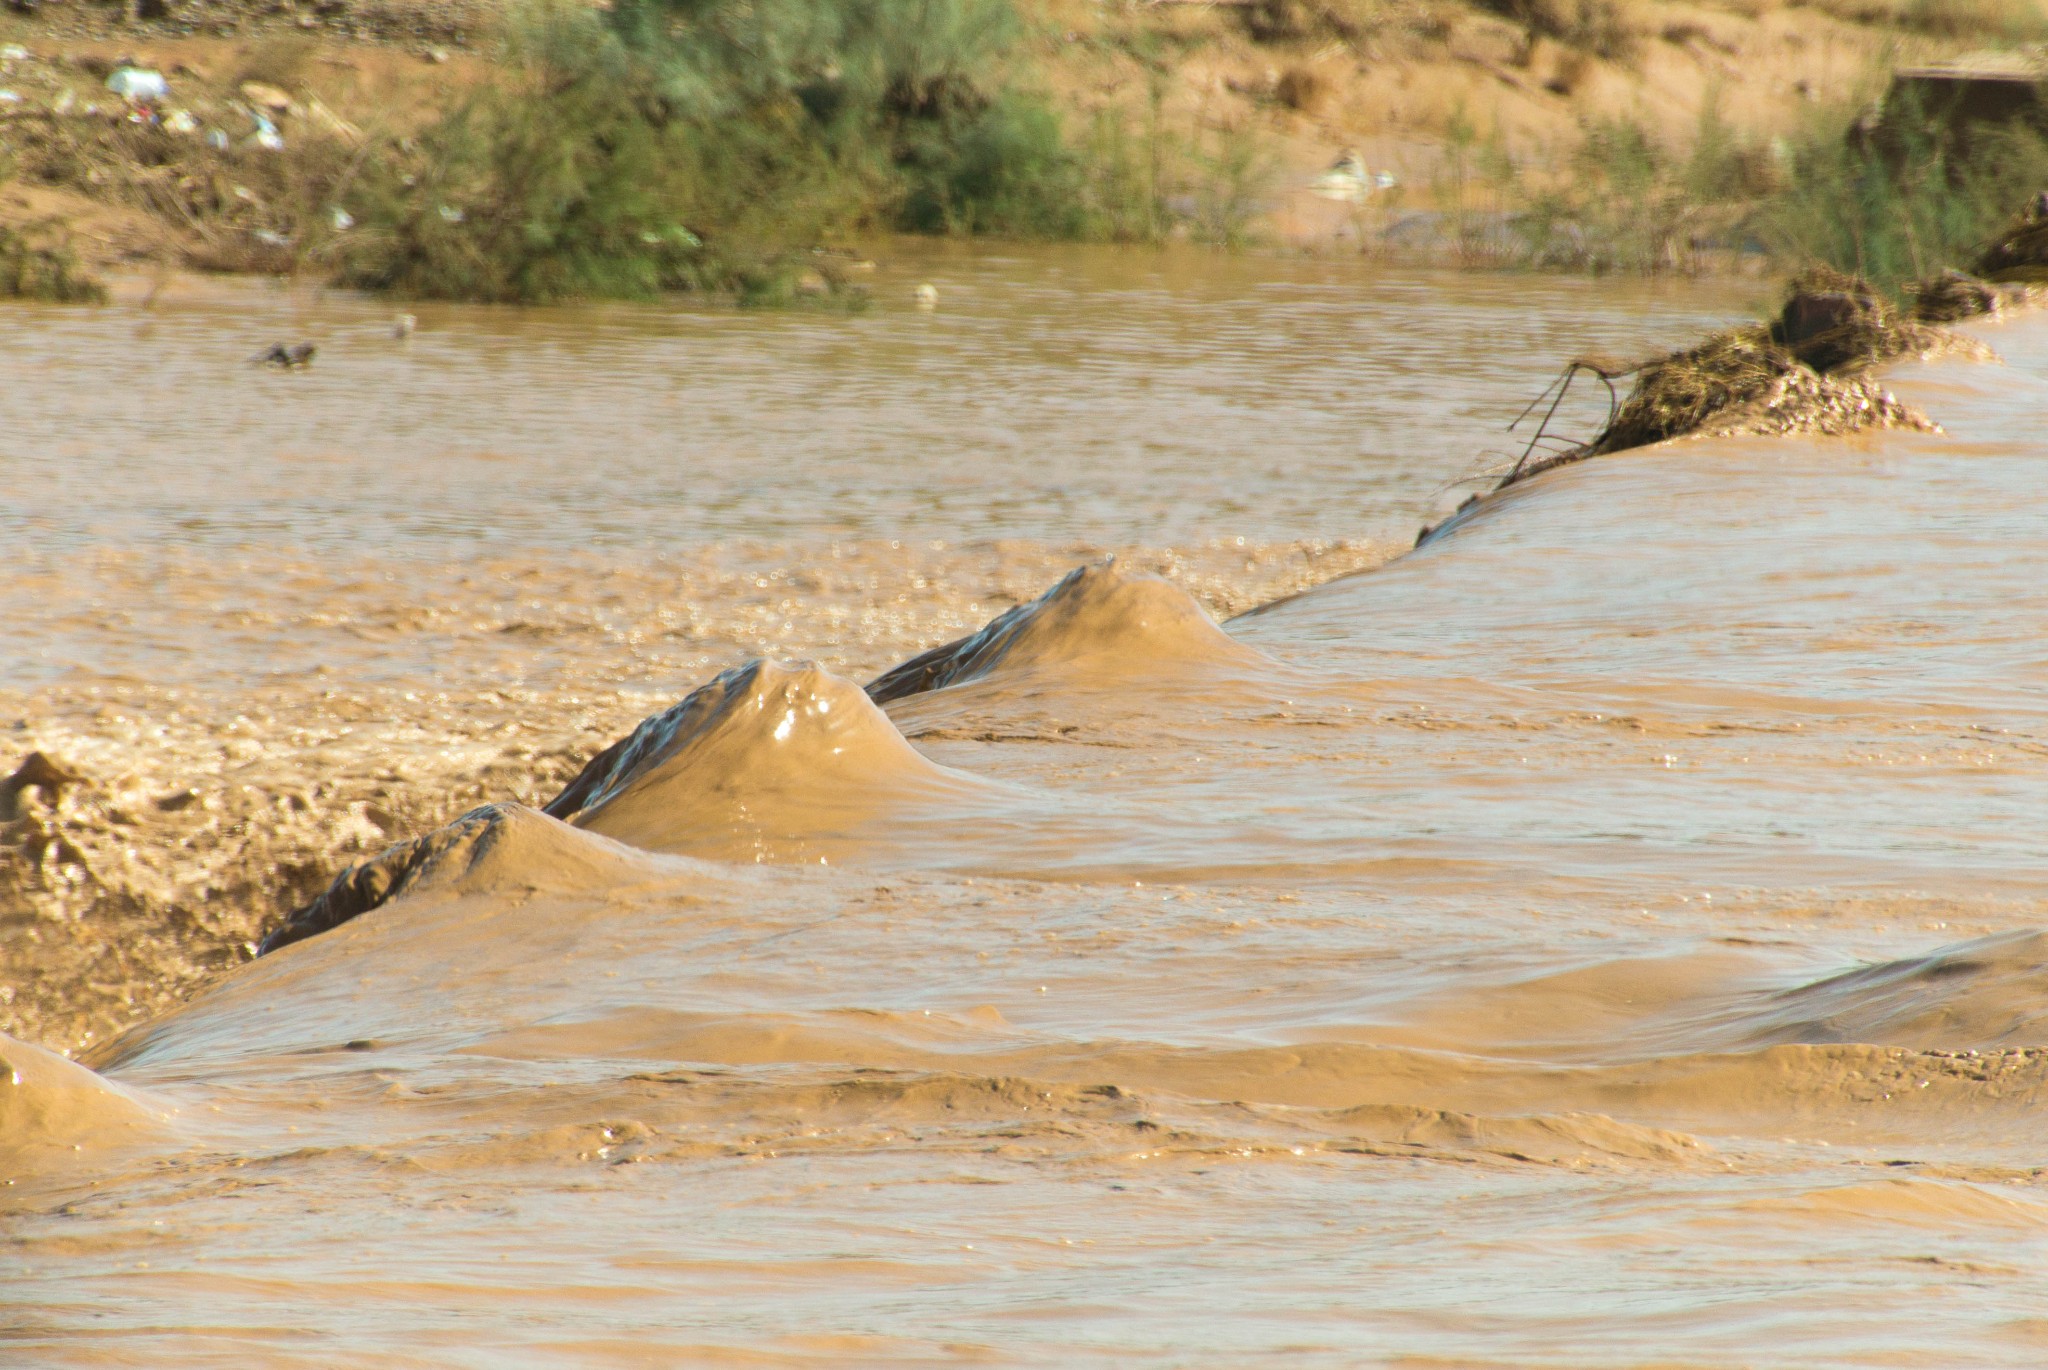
1638 132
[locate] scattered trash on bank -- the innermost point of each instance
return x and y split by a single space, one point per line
1350 181
139 86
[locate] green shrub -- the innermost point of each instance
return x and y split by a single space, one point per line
710 144
1007 170
920 94
572 177
37 263
1900 213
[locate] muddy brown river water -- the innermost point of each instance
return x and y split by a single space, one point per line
1610 935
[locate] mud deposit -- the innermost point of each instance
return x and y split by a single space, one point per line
1607 936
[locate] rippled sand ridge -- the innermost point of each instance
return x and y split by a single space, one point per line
1607 935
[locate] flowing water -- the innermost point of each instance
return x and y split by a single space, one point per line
1608 935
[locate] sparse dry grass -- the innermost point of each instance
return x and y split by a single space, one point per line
1296 21
278 59
1302 89
239 209
1613 30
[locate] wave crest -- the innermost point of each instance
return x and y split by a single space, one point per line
764 750
1096 614
495 847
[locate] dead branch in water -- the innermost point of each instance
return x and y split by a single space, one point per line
1555 393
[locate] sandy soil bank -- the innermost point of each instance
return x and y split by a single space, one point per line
1415 90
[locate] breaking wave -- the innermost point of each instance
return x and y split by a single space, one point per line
1097 619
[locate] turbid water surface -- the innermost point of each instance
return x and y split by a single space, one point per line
1608 936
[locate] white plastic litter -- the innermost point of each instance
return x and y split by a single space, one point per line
139 86
180 121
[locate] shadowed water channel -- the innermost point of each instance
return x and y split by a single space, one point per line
1607 936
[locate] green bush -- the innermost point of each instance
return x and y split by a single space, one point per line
711 144
37 263
573 177
1007 170
1905 210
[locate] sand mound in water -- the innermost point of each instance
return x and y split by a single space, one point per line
1107 618
1992 992
498 848
764 752
50 1104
